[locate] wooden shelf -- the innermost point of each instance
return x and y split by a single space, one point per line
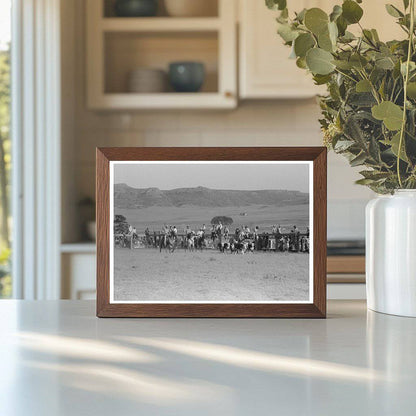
116 46
163 101
159 24
81 247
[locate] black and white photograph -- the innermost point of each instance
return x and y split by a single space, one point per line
211 232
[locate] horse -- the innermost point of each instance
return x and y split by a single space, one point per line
190 242
200 241
223 244
168 242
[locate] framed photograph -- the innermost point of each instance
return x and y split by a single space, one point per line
211 232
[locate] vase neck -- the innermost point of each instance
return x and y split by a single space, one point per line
405 192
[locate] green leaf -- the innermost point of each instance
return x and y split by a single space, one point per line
284 14
300 17
374 150
393 11
394 145
286 32
316 20
368 36
412 67
363 86
276 4
361 99
327 40
391 114
342 25
333 32
354 131
325 43
343 65
364 181
343 145
411 90
375 35
374 175
347 37
406 4
301 63
385 63
351 11
358 61
358 160
336 12
303 43
319 61
321 79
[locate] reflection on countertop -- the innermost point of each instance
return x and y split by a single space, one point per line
346 247
63 360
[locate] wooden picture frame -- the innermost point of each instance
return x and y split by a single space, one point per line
316 308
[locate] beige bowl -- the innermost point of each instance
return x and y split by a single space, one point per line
145 80
191 8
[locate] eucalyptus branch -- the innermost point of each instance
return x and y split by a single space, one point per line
406 80
346 75
373 89
364 114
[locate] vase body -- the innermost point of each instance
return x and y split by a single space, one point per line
391 253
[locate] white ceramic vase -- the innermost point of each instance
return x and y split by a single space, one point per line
391 253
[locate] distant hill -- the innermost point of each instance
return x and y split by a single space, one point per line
127 197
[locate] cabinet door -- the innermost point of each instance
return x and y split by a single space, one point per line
265 68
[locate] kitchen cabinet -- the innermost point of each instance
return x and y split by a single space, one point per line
118 45
265 70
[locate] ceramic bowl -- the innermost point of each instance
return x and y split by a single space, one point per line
147 80
186 76
136 8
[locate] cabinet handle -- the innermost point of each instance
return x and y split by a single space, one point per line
228 94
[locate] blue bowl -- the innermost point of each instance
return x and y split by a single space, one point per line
136 8
186 76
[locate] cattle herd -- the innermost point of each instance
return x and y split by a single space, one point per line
218 238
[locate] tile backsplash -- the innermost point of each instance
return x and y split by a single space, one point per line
284 123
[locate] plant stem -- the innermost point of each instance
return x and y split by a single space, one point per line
406 80
346 75
373 89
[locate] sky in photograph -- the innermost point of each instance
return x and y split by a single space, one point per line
4 23
293 177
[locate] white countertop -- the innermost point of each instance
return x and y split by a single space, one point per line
57 359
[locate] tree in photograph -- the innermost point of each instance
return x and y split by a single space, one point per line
224 220
121 225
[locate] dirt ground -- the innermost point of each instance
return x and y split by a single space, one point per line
147 275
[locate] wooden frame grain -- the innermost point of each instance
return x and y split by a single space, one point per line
317 309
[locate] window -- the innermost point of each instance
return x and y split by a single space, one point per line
5 145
